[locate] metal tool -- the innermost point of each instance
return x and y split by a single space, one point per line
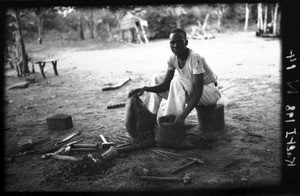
194 160
64 149
82 149
68 138
185 180
105 144
85 145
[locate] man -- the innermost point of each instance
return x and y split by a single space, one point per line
195 84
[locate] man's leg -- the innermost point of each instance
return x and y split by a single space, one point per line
153 100
210 95
178 94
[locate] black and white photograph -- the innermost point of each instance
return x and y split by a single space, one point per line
147 97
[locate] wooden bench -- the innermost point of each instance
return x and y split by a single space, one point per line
43 63
211 118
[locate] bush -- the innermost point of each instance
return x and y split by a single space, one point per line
159 25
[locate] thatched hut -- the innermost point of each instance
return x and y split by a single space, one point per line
132 28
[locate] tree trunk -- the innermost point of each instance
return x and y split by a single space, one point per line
40 23
246 17
92 24
80 26
24 66
205 22
259 18
178 22
219 12
275 32
278 23
177 14
266 19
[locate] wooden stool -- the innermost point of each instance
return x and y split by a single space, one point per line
211 118
43 63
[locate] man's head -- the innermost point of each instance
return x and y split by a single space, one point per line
178 41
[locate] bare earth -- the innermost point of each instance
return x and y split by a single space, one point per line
245 154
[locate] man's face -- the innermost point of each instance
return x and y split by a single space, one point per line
178 43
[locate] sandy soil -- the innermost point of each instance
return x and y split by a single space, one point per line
245 154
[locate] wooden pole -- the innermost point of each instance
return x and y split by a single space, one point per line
266 19
144 34
138 34
246 17
92 24
259 17
275 19
205 22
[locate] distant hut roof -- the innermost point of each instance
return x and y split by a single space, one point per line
129 21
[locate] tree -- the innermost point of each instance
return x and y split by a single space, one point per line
276 21
220 10
22 65
80 25
266 26
259 18
265 19
39 12
246 17
92 24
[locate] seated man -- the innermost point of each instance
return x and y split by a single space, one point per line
195 85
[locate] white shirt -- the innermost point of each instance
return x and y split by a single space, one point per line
195 64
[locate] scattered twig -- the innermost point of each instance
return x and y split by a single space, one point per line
124 138
19 85
166 152
160 153
119 85
227 88
116 106
150 155
254 135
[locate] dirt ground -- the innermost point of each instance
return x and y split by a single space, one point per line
247 153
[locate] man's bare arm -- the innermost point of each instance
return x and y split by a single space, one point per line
195 96
164 86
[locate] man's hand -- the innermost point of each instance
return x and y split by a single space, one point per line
180 122
138 91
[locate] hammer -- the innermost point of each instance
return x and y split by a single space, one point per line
105 144
194 160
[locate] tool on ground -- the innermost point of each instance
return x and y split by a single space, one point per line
167 152
93 159
68 138
83 149
85 145
161 154
105 144
194 160
111 153
123 145
64 149
68 158
185 180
